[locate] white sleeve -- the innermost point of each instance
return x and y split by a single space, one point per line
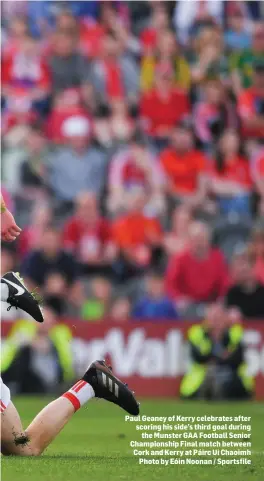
183 18
185 13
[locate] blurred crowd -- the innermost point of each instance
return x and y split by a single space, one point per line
133 155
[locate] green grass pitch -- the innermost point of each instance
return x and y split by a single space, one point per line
94 446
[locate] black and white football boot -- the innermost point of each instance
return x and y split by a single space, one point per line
109 387
20 297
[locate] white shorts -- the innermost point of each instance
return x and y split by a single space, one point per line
5 396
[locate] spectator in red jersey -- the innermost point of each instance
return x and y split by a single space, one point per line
25 74
176 240
135 166
213 114
66 104
230 176
26 70
184 167
89 237
199 274
163 106
137 236
115 73
18 89
251 105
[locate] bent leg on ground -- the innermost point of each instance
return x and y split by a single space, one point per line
39 434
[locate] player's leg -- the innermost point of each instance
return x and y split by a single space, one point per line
97 381
48 424
43 429
11 431
12 435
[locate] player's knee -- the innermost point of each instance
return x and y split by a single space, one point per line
27 446
33 449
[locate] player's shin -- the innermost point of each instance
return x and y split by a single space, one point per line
52 419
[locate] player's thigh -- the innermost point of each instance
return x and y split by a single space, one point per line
13 438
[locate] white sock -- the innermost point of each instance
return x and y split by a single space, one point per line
79 394
4 292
